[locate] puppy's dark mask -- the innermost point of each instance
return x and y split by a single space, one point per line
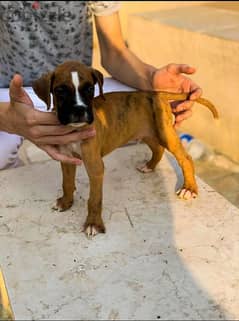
45 85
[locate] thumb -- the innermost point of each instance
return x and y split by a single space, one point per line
17 93
180 68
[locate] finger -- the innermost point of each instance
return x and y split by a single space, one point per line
183 106
54 153
61 130
180 68
16 91
177 125
174 104
17 81
43 118
65 139
182 116
187 86
40 131
196 93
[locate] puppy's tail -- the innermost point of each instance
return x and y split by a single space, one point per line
209 105
174 96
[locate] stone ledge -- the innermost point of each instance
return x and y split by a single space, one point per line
206 38
214 22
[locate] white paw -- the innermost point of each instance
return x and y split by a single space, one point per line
186 194
90 232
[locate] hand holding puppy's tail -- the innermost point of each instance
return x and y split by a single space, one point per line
174 96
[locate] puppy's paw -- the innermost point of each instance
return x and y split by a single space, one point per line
92 230
187 193
62 204
144 168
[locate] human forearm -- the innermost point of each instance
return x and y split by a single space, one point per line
129 69
117 59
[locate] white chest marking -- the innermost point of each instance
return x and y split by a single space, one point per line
75 147
71 148
76 83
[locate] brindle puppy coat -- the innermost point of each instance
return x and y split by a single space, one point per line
118 117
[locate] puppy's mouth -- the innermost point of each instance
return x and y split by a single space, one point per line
76 118
77 124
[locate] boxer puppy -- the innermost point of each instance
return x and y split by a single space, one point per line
118 117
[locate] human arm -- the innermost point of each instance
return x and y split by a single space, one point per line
126 67
43 129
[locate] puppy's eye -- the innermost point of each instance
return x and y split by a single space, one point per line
90 90
61 91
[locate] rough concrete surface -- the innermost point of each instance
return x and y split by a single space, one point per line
160 258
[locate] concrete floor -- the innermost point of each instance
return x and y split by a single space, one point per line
161 258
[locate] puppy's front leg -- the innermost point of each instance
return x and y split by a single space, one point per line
94 223
95 169
68 175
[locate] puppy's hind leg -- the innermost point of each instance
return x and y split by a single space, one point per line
169 139
189 189
66 201
157 153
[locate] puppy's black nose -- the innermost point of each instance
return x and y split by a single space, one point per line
79 109
81 114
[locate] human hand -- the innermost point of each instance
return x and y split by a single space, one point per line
170 78
41 128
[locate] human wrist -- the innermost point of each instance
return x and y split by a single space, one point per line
151 74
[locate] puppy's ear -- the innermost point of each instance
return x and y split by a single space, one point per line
43 87
98 78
